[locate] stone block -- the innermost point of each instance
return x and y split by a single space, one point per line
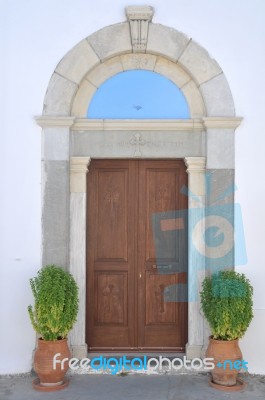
80 350
195 322
198 62
75 65
55 144
104 71
111 41
218 98
166 41
220 196
193 351
59 96
138 61
220 149
82 99
55 213
194 99
171 71
219 181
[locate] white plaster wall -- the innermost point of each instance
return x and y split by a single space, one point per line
252 344
34 36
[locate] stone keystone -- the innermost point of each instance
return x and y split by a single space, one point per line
139 18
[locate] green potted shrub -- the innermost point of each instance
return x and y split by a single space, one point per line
226 300
55 311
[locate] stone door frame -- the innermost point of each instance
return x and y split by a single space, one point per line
207 140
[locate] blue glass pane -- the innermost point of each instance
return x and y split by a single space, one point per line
138 94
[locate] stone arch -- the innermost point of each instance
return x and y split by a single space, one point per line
151 62
109 51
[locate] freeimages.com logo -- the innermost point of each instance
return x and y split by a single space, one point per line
144 364
115 365
215 239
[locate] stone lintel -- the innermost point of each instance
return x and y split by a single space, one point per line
141 124
193 124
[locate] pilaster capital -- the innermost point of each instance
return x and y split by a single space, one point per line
222 122
195 164
79 164
54 121
78 170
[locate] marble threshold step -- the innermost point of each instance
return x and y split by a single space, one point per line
105 363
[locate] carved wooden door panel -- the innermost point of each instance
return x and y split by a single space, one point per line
162 255
130 204
111 254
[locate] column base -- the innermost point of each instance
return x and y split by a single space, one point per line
193 351
203 351
79 351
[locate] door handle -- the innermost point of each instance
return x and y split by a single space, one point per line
167 266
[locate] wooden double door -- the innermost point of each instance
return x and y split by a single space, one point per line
136 255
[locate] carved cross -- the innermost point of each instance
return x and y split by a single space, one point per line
109 292
137 141
111 195
162 196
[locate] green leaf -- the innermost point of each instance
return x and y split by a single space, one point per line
226 300
56 302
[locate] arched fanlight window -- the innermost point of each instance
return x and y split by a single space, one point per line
138 94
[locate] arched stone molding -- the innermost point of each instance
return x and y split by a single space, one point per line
168 52
126 62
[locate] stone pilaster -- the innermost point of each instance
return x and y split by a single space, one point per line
78 171
55 186
196 265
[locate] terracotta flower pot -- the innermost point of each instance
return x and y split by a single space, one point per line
221 351
50 378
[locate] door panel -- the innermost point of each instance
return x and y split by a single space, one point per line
136 255
157 194
110 254
112 212
162 254
157 310
111 294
